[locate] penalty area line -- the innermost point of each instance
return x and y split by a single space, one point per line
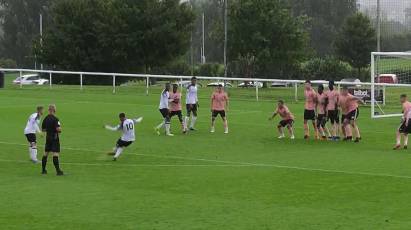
221 163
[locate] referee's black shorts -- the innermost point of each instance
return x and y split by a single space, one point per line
52 145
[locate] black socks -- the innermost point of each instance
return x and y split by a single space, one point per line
56 163
44 163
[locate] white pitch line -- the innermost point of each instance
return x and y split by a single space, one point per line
233 164
131 165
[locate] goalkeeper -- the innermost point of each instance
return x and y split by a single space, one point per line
126 126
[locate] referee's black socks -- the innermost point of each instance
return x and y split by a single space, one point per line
44 163
56 163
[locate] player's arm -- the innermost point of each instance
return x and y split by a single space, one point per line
275 113
58 127
112 128
211 103
43 127
138 120
337 101
36 126
358 100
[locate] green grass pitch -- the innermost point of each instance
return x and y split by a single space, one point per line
244 180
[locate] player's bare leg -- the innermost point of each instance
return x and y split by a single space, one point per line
348 130
225 125
322 132
212 130
336 130
398 139
182 122
281 132
327 132
306 130
356 131
316 131
343 130
405 141
291 131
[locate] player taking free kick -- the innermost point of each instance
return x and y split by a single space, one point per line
128 136
405 127
287 119
219 105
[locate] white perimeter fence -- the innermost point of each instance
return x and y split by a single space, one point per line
147 77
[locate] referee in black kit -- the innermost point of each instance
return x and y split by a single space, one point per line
51 125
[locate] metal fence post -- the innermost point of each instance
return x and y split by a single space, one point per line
296 91
256 90
81 81
50 80
21 80
147 85
114 83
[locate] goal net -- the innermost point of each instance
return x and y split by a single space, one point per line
390 77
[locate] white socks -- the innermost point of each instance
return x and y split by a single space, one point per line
167 125
33 154
161 125
193 121
118 152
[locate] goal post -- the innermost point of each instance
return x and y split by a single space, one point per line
390 77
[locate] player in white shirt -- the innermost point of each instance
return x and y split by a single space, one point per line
32 127
165 111
128 136
192 103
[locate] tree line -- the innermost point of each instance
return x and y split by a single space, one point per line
266 38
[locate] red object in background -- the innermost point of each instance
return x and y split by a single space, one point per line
387 78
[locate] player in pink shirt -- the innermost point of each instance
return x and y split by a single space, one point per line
287 119
175 107
321 113
405 127
332 110
309 111
349 105
219 105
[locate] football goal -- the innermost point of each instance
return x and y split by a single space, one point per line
390 77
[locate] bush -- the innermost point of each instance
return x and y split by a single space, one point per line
174 68
328 68
211 70
7 63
